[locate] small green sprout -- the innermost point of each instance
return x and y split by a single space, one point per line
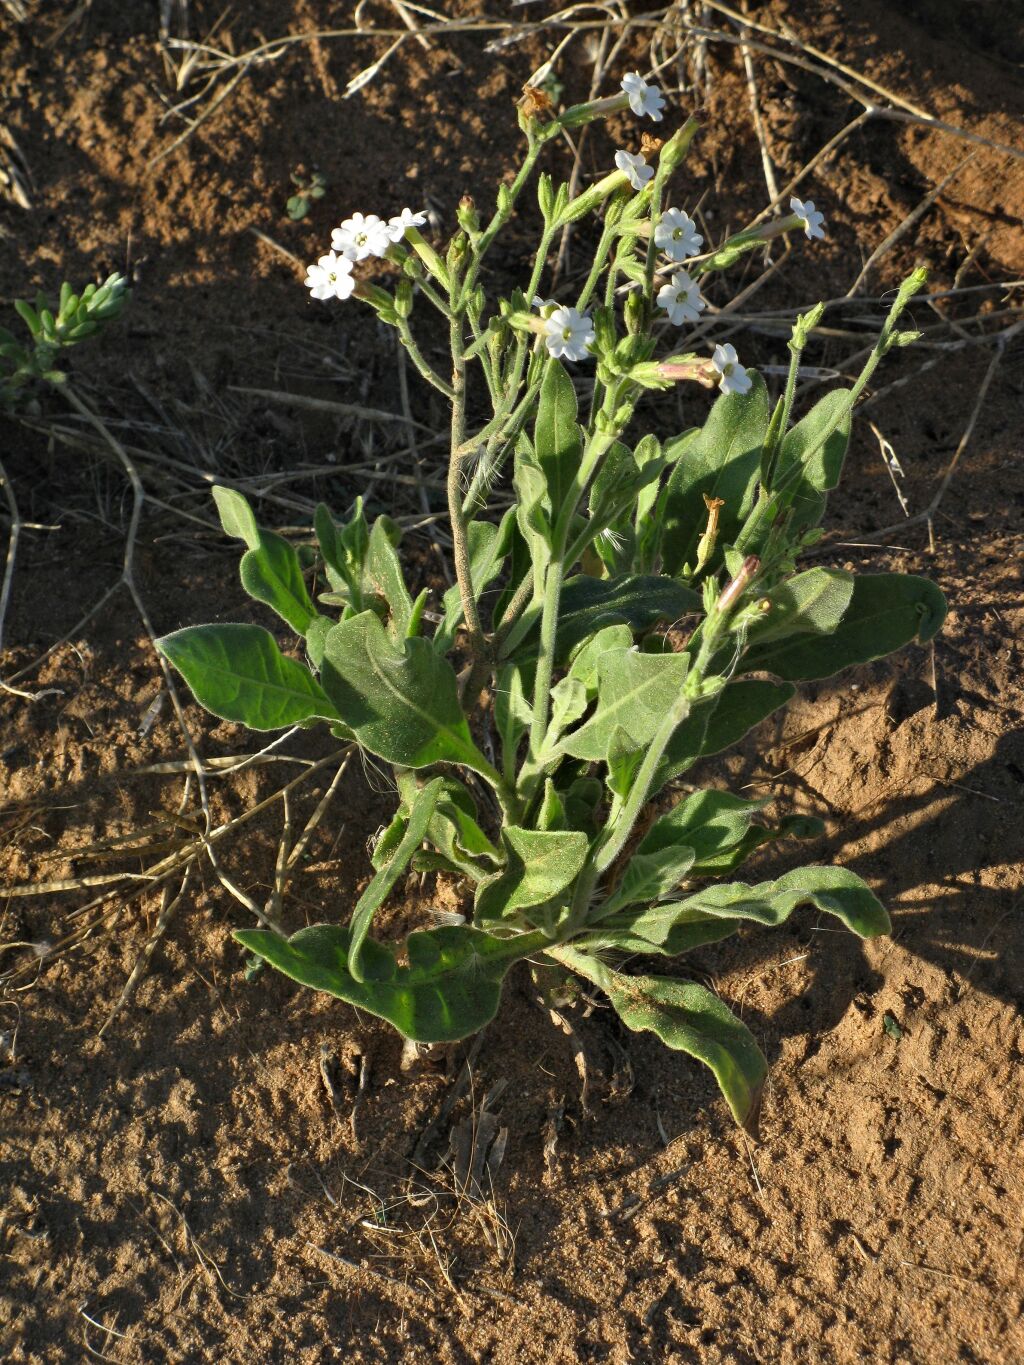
307 189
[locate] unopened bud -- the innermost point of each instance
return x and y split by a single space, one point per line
634 311
403 298
467 215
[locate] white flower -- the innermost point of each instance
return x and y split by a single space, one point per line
677 235
568 334
813 221
359 237
545 307
635 167
331 277
734 378
681 299
406 219
643 98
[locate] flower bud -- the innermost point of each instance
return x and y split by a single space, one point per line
673 152
545 194
634 311
467 215
403 298
604 331
456 250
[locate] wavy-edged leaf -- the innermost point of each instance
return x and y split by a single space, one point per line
835 890
400 698
238 673
450 987
668 929
420 814
886 612
540 866
688 1018
272 574
722 461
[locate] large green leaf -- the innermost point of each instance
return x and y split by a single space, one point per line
688 1018
420 815
813 602
587 604
238 673
557 439
633 694
540 866
834 890
450 988
722 461
270 568
886 611
400 698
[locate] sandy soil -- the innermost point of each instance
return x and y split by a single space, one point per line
189 1187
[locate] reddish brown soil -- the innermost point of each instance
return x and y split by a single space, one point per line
185 1182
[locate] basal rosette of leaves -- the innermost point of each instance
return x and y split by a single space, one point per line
541 715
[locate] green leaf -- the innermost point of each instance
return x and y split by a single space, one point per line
380 887
450 988
270 568
236 516
273 574
533 511
688 1018
588 604
886 611
453 830
400 698
513 714
650 875
557 441
540 866
587 657
344 550
382 576
812 602
634 692
722 461
834 890
811 458
238 673
667 929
